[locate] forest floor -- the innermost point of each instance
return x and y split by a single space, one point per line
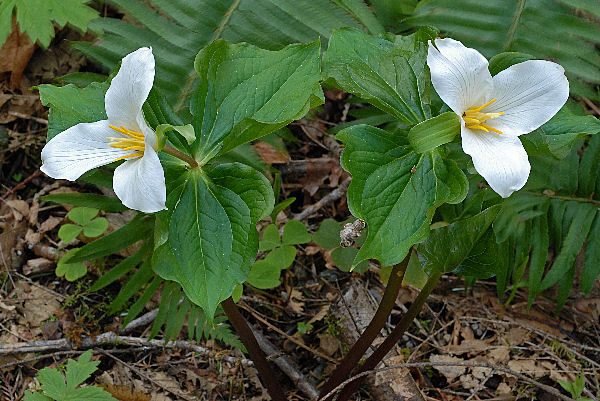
490 341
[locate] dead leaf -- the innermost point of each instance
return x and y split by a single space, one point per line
328 344
271 154
15 55
20 208
296 301
450 372
38 305
588 305
517 336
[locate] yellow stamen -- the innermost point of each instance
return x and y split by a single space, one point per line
475 119
131 141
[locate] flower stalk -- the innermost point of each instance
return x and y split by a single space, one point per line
366 338
180 155
258 357
385 347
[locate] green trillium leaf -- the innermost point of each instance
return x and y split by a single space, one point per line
246 93
448 247
395 190
207 240
387 71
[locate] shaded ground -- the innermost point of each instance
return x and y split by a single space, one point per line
469 327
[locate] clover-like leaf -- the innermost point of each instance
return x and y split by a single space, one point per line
95 227
270 238
82 215
295 232
68 232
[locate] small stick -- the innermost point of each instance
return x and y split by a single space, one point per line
332 196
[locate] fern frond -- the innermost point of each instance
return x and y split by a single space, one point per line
543 28
177 29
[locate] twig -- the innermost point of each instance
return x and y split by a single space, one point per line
22 184
27 117
520 376
330 197
285 365
112 338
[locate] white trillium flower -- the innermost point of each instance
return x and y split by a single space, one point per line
494 111
139 181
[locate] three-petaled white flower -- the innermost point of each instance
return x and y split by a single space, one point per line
494 111
139 181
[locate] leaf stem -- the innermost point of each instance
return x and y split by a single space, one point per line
258 357
392 339
366 338
180 155
565 198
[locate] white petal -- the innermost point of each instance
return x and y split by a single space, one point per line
130 88
140 183
150 138
79 149
529 94
500 159
459 74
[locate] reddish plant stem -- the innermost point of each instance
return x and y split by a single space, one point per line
258 357
385 347
366 338
180 155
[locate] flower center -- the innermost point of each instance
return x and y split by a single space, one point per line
131 142
475 119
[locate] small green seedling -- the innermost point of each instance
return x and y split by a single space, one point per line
304 328
54 386
84 219
265 273
575 388
328 237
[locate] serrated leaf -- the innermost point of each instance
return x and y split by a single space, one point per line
388 72
448 247
95 227
37 17
89 102
237 101
106 203
295 232
78 372
395 190
328 234
68 232
212 239
29 396
89 393
82 215
270 238
53 383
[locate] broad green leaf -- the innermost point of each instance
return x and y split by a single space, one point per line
212 239
344 257
295 232
395 190
70 105
448 247
138 228
560 133
68 232
37 17
483 260
82 215
502 61
238 292
414 274
362 12
434 132
106 203
95 227
388 72
270 238
238 101
328 234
